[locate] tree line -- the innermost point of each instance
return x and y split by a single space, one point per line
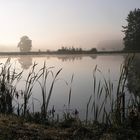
74 50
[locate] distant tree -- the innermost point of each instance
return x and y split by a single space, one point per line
73 49
80 50
69 50
48 51
103 49
132 31
94 50
25 44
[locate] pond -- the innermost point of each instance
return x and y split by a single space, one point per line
82 87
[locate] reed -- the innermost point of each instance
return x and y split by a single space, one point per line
30 82
46 99
51 88
44 76
104 95
70 92
98 89
87 109
8 82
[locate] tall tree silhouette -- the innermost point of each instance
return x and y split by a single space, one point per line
25 44
132 31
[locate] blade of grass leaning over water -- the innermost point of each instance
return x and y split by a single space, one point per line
30 82
70 90
45 100
51 89
43 84
87 108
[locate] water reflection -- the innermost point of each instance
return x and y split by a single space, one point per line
71 58
82 86
93 56
134 76
25 61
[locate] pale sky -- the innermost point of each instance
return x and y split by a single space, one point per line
53 23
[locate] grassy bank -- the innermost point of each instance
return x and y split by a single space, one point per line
13 127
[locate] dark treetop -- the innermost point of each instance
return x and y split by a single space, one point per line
132 31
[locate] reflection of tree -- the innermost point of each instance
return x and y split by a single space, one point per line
25 61
134 76
72 58
93 56
69 58
25 44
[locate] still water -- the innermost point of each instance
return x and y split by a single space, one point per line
82 86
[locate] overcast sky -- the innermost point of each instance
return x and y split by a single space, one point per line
53 23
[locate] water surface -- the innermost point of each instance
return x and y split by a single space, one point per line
81 66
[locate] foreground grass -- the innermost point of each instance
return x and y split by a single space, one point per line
16 128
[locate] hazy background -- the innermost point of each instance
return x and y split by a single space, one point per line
53 23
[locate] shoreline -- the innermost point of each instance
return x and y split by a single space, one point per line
57 53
